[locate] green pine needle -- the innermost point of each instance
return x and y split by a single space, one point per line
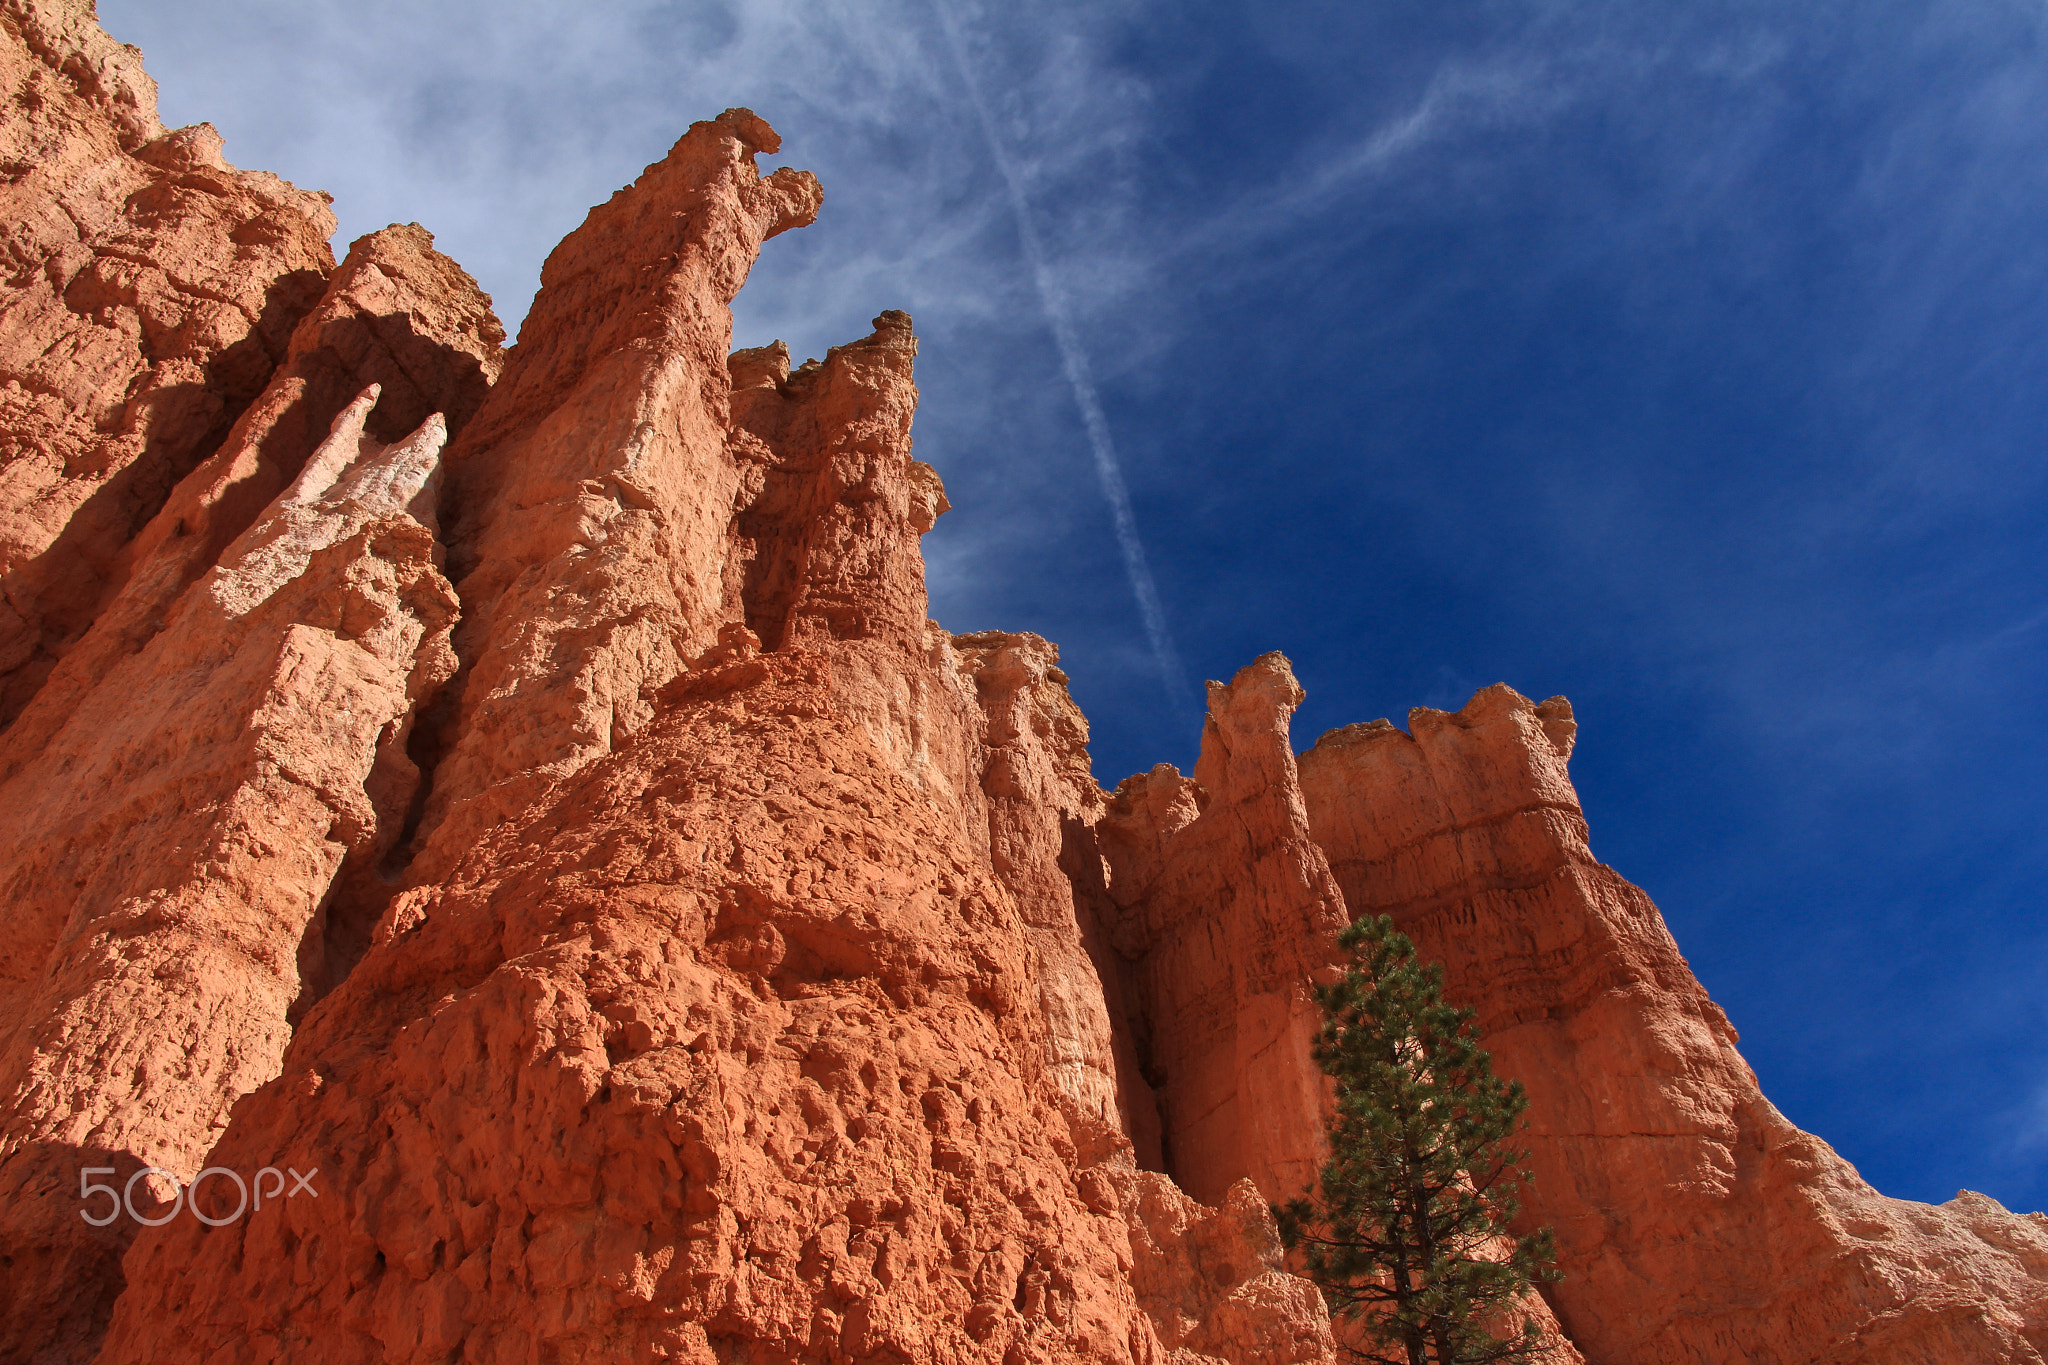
1407 1230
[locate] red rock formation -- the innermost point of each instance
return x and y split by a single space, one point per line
727 1047
150 291
1043 809
172 845
1696 1224
667 943
1227 915
714 1028
396 314
1210 1280
175 799
91 842
591 501
1222 914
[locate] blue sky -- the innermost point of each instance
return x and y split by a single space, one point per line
1687 360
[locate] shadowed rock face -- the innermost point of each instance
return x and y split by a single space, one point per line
172 846
210 679
396 314
664 941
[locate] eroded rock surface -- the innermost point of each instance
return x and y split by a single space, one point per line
396 314
1227 916
1222 914
664 942
713 1030
206 719
172 845
1696 1224
590 503
150 291
1042 800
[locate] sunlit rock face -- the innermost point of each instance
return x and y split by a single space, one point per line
1695 1222
505 818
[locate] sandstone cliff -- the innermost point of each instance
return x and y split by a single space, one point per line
1224 913
1695 1222
520 793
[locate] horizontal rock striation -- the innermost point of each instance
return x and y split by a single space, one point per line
1222 913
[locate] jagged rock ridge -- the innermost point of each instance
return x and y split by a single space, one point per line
525 786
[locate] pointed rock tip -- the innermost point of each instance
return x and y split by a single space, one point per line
196 147
1270 671
1137 782
1476 707
892 332
759 367
751 129
415 232
363 401
1553 715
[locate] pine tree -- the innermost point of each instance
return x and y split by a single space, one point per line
1407 1232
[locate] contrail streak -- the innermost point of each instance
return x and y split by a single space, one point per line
1074 361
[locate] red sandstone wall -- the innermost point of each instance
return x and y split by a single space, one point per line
1221 913
1695 1223
1226 914
703 1019
211 681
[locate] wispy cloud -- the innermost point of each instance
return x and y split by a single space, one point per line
2029 1140
1074 363
1460 99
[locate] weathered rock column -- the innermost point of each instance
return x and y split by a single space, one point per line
174 845
1228 915
151 289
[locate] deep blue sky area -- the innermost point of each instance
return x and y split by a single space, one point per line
1687 360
